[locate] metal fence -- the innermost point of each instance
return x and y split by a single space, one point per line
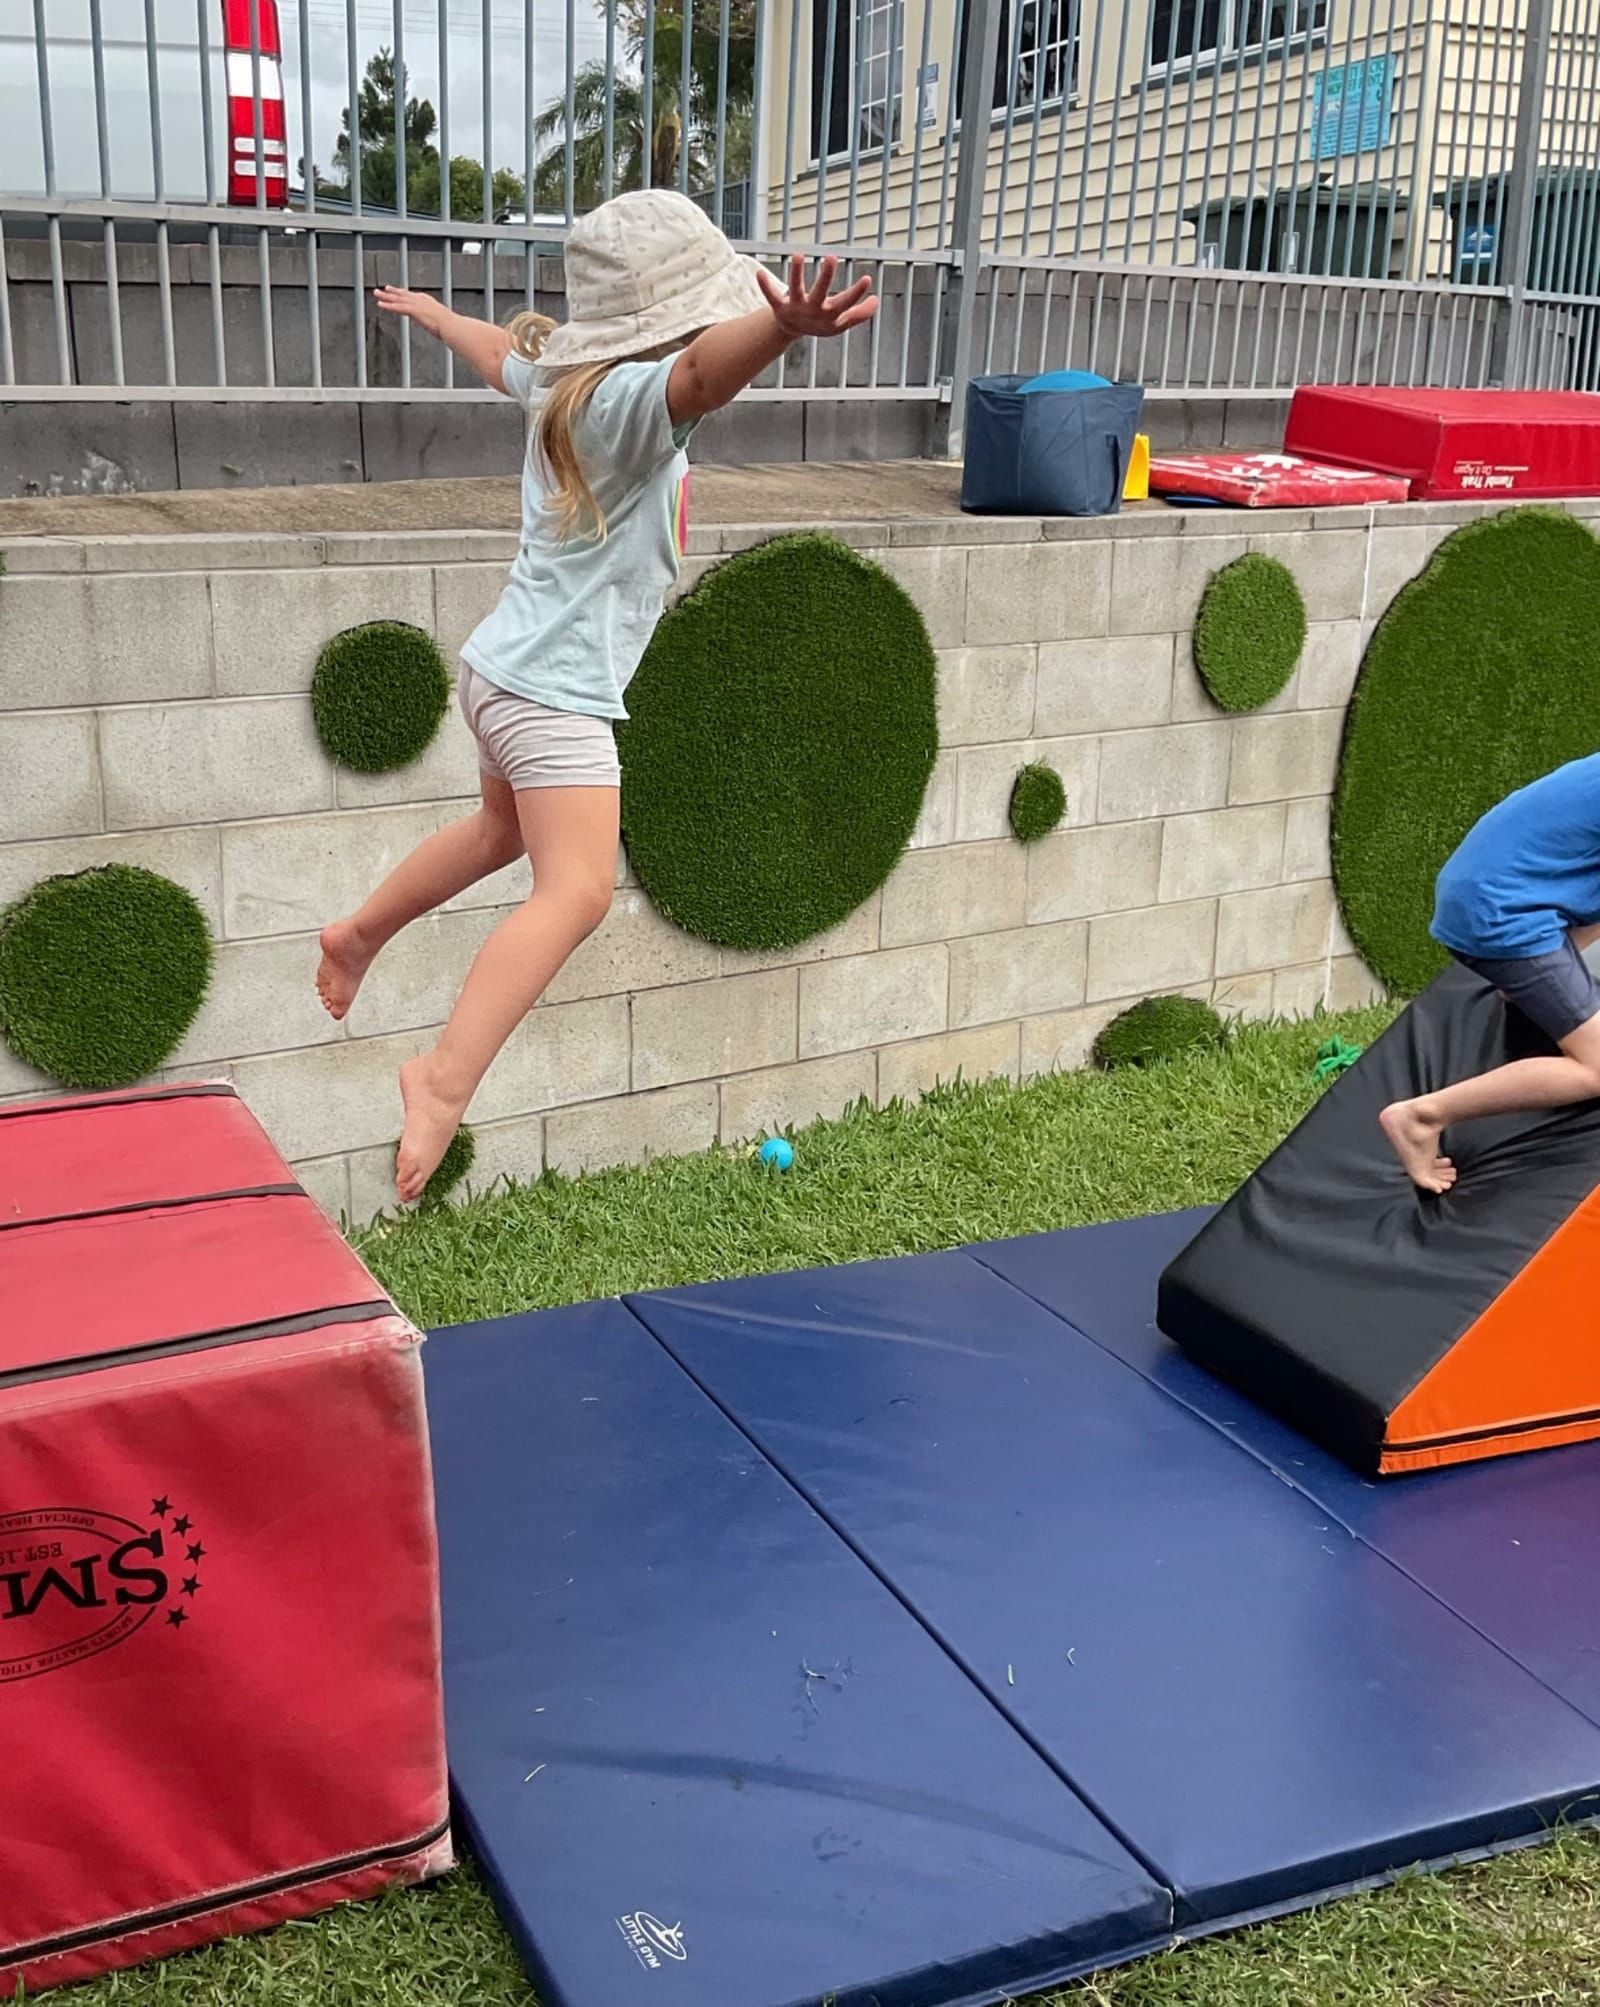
1218 197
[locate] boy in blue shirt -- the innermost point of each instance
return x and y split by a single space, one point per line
1517 904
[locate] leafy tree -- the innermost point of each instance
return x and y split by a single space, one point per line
466 189
376 109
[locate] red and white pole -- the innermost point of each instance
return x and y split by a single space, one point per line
241 78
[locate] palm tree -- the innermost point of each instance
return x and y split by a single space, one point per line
627 140
666 121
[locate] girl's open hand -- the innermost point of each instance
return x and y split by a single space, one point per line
427 312
801 310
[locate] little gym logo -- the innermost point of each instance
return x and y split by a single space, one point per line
651 1940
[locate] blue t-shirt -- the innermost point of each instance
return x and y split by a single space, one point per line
577 612
1528 872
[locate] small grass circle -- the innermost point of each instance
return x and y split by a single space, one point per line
1159 1028
379 695
783 733
1038 802
101 974
460 1154
1249 632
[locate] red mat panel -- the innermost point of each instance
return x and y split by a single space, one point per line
1456 444
87 1156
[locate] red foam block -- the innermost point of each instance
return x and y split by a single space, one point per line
1456 444
219 1650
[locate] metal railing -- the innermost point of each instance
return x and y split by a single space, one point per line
1218 197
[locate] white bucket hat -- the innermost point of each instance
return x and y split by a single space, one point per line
644 270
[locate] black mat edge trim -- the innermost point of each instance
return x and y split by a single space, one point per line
184 1912
289 1190
198 1091
200 1341
1508 1429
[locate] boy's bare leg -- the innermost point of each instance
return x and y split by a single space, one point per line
571 839
1414 1127
446 863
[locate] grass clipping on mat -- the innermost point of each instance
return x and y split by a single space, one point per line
784 727
1483 675
378 696
101 974
1249 632
1038 802
1159 1028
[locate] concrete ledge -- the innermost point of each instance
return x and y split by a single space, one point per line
884 506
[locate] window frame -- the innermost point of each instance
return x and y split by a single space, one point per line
857 13
1229 48
1024 107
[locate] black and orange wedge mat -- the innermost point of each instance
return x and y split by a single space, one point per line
1400 1330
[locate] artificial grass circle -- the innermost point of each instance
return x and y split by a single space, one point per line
1249 632
784 728
1159 1028
460 1153
1483 675
378 695
1038 802
101 973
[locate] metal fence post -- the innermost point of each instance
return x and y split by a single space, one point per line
980 52
1521 196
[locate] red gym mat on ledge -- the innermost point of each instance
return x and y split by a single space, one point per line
1456 445
219 1663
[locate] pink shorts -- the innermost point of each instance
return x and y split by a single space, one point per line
527 744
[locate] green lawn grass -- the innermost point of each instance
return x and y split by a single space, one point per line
967 1164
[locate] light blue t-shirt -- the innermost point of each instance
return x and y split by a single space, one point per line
577 613
1528 872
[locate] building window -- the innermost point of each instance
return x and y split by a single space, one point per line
1045 55
1191 31
868 62
1047 51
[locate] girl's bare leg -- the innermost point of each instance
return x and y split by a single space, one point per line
571 838
447 863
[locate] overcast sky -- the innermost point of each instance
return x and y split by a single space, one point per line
177 41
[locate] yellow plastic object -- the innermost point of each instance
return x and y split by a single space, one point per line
1137 486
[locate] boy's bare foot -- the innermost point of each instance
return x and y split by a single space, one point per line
345 960
432 1118
1416 1144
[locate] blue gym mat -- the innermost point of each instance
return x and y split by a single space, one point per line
928 1631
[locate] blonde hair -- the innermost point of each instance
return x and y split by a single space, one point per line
570 499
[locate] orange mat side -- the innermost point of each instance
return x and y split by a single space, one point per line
1526 1371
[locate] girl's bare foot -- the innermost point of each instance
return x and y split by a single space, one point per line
1416 1144
432 1118
346 957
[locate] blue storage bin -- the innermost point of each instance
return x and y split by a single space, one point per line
1033 451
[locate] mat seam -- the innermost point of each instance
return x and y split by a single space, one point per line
1296 1485
968 1673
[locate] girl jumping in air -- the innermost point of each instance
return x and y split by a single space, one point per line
666 324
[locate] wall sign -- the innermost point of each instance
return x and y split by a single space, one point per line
1351 108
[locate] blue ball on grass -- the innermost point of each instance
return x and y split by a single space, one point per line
777 1153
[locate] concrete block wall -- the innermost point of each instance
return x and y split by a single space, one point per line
153 708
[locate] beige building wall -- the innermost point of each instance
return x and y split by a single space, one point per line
1123 181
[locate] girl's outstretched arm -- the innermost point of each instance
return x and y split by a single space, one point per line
480 344
724 360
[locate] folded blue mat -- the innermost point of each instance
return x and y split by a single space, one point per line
927 1631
